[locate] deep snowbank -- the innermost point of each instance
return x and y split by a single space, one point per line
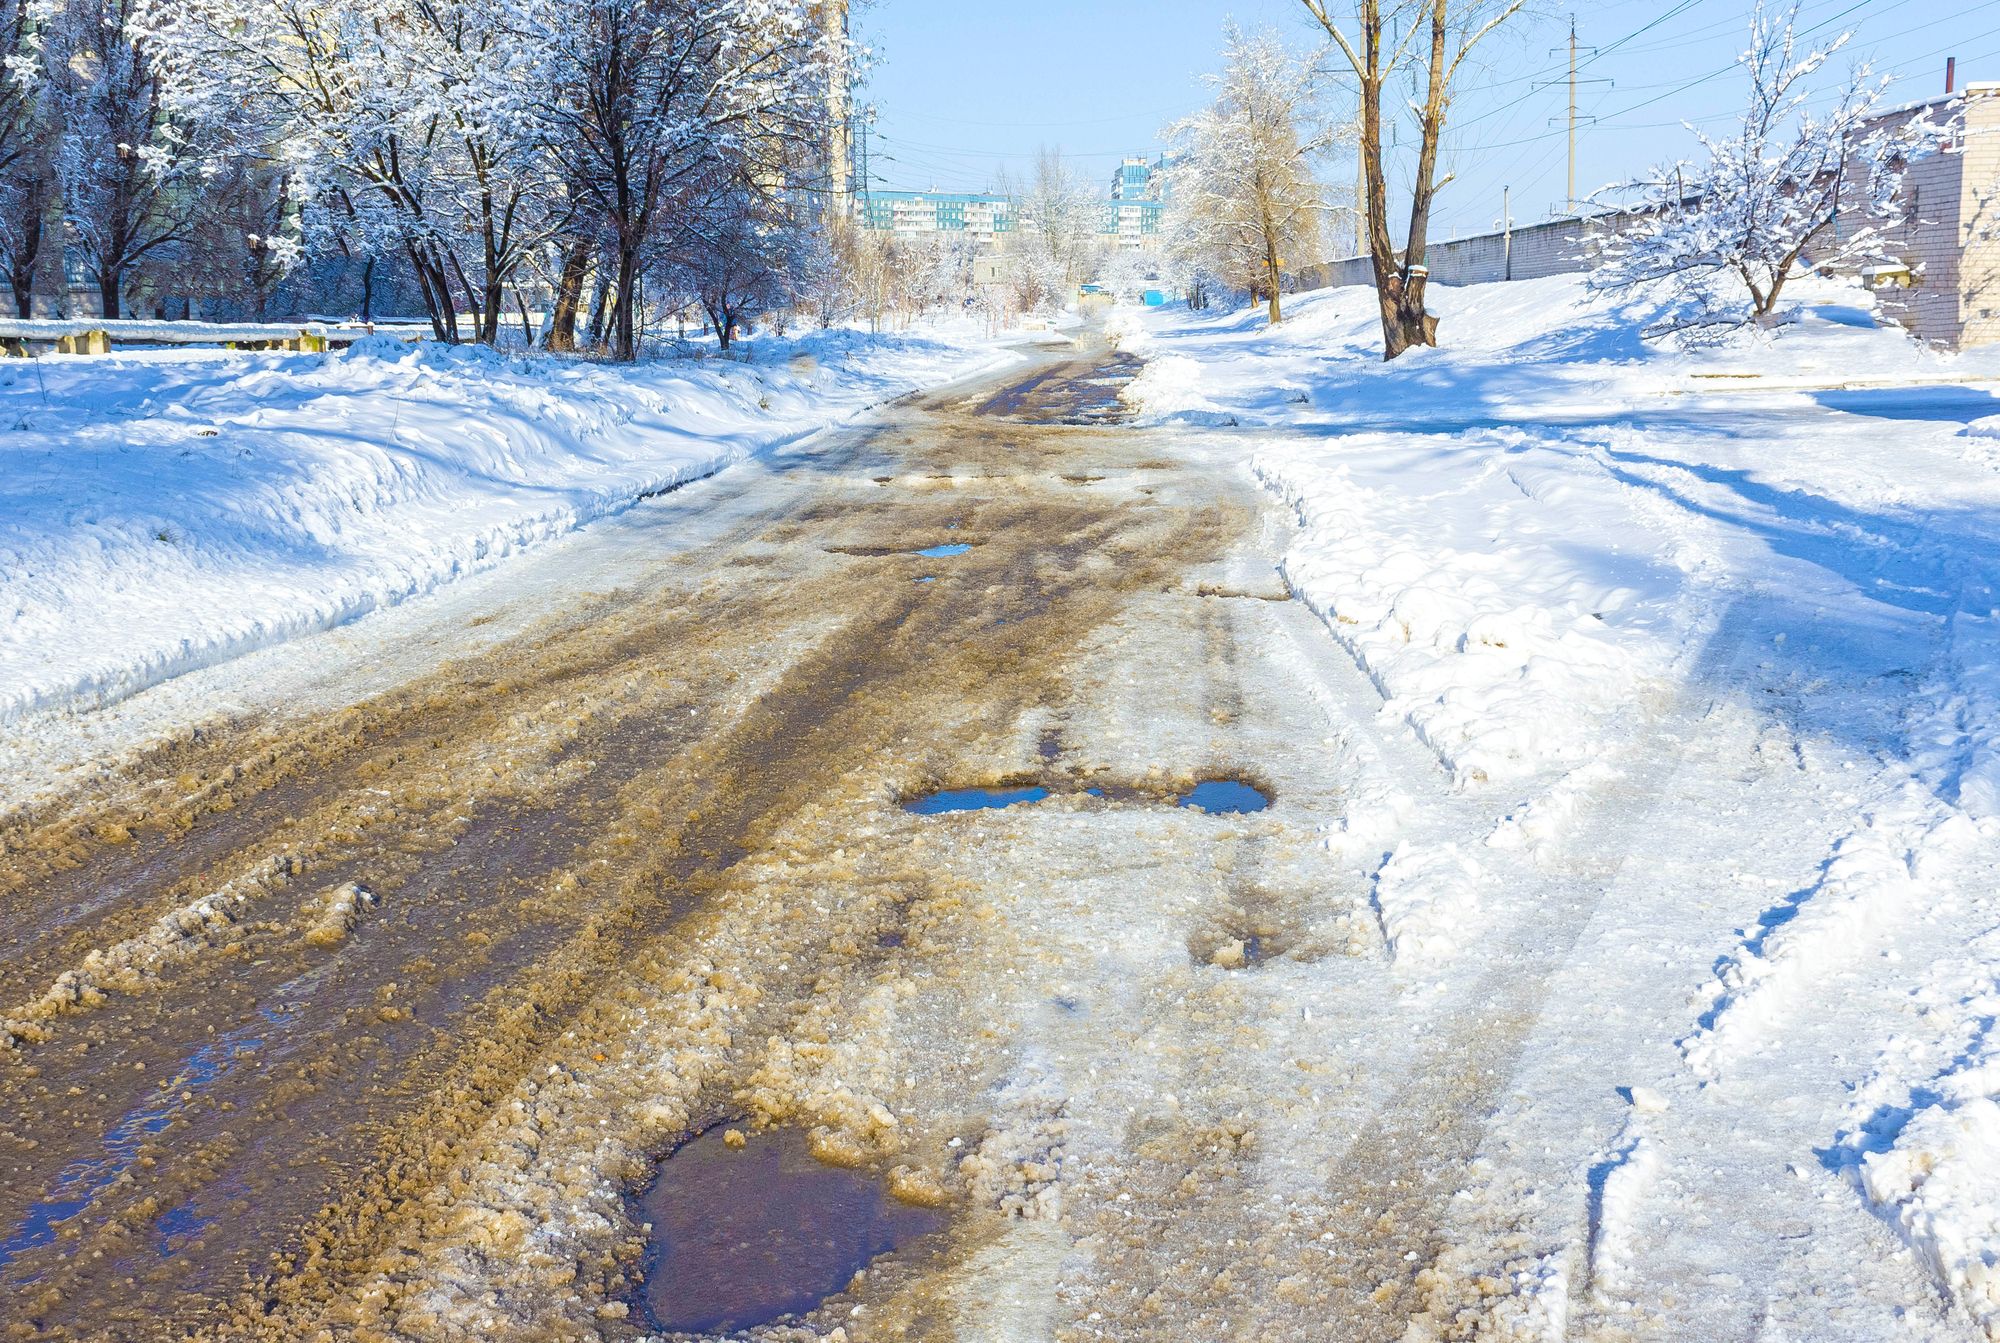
165 510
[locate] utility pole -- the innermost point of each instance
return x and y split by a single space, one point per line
1572 114
1570 203
1507 232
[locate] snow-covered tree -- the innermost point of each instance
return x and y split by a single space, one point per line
27 142
422 124
1247 203
1057 240
661 104
132 165
1791 187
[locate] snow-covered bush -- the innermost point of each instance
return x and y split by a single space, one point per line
1791 188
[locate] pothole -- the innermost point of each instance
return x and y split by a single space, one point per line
1258 926
747 1231
973 799
1233 949
1224 797
944 551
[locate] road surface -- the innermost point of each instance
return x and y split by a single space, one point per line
369 1013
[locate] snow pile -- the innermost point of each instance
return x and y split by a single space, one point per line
1167 389
161 511
1426 898
1959 740
1875 875
1620 1183
1925 1141
1940 1185
1501 659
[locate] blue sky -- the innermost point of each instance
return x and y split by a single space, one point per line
963 88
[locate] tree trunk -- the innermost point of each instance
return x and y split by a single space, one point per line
569 296
489 324
21 278
368 291
1404 321
625 335
436 286
600 307
1271 269
107 293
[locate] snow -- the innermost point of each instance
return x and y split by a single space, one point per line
164 510
1708 637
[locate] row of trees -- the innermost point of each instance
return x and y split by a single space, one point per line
609 150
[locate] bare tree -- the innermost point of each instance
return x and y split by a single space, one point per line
1449 30
1246 201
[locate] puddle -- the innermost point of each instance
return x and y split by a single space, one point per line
927 578
1220 797
745 1236
79 1183
973 799
943 552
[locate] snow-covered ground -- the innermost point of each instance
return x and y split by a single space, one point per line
1720 627
164 510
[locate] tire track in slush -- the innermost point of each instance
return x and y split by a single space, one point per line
276 1113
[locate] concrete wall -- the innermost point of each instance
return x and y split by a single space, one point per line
1559 247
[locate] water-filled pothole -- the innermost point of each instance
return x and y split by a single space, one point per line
944 551
1220 797
746 1234
973 799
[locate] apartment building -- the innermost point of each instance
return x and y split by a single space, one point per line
987 219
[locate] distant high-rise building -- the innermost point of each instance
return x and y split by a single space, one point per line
1139 192
1140 180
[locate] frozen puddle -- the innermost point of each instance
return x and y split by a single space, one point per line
742 1236
973 799
1220 797
944 551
